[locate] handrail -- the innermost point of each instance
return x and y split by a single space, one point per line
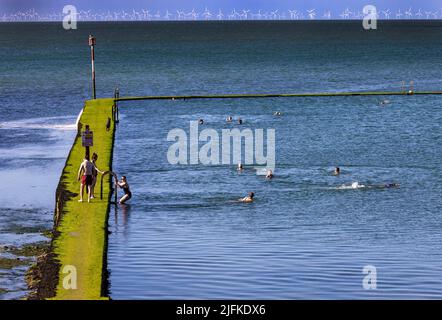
101 186
278 95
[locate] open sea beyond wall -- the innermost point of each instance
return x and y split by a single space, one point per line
308 234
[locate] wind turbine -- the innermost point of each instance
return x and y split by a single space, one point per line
136 15
327 15
194 14
274 14
167 15
360 15
292 14
256 16
220 15
399 14
408 14
245 14
386 13
345 14
235 14
311 14
206 14
146 14
419 14
428 14
180 14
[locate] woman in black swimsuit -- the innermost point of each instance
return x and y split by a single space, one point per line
125 186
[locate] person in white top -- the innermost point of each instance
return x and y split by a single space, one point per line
86 173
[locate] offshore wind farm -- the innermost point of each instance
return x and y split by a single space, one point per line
206 14
270 153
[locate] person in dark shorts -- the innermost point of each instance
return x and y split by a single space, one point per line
85 174
125 186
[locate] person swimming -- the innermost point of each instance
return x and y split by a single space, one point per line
337 171
277 113
240 167
201 121
269 174
229 119
239 121
390 185
248 198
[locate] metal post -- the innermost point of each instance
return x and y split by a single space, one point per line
117 95
87 149
92 42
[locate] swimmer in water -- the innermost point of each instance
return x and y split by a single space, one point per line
240 167
229 119
390 185
201 121
239 121
337 171
269 174
277 113
248 198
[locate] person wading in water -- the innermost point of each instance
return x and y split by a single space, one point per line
125 186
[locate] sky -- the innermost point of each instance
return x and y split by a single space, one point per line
336 6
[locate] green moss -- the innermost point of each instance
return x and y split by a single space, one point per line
81 240
47 234
29 250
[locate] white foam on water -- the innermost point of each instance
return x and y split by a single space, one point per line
354 185
65 123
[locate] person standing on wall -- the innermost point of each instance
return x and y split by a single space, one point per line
85 173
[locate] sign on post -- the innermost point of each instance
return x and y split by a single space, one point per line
87 138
